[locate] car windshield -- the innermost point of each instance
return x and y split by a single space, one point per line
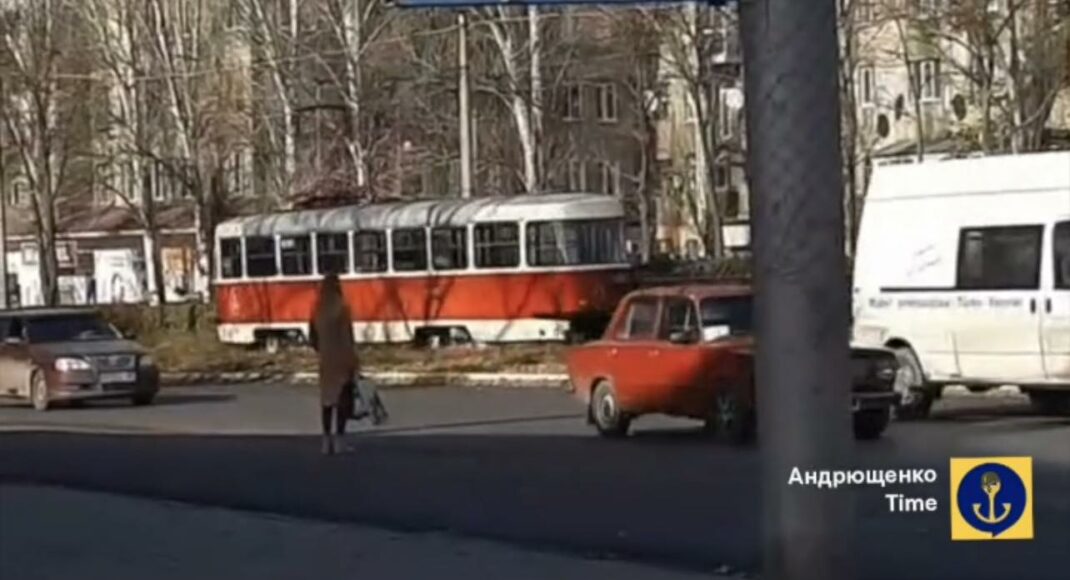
68 328
726 317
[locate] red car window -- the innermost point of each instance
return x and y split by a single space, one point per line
640 320
678 316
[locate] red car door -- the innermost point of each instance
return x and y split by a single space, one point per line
685 385
632 354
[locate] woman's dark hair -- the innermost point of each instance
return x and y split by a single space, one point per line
330 299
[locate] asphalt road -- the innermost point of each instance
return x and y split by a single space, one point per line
520 466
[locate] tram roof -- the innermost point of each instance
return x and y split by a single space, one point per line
433 213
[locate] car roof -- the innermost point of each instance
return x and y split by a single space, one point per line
44 311
696 291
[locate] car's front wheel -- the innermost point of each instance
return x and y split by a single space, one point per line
871 423
733 420
39 395
606 413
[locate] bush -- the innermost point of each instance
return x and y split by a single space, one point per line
149 321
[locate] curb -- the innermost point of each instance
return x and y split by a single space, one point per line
385 379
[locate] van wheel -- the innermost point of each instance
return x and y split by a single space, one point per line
608 417
917 398
39 392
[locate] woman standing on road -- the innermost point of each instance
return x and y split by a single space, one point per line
331 335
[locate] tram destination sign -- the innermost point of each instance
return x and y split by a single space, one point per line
483 3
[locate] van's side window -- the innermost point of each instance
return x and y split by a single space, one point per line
1061 253
1000 258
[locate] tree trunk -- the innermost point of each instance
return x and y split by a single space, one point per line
535 47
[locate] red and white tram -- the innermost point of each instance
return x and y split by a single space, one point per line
494 269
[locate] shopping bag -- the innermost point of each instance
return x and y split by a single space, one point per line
367 403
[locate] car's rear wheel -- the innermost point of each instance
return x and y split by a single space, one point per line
39 395
606 413
734 419
871 423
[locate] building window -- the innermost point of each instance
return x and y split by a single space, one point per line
369 251
867 85
722 175
1000 258
577 175
607 102
689 108
863 10
260 257
410 249
731 203
230 258
930 7
925 79
610 173
20 193
332 253
296 253
157 178
726 115
573 102
449 248
497 245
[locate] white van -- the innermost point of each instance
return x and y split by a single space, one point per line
963 267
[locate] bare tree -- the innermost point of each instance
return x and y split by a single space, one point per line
516 59
119 30
274 29
689 39
203 107
35 114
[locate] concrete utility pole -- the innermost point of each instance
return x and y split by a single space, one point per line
802 295
465 107
4 303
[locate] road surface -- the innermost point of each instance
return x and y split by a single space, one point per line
520 467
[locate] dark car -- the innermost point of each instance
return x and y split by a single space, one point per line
51 355
687 351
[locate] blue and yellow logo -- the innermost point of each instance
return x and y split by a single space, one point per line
992 498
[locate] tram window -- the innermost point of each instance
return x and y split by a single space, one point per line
497 245
410 249
369 251
574 242
260 257
332 253
296 256
449 248
230 258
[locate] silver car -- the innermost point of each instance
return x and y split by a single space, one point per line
51 355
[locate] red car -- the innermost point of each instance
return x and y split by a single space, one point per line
686 351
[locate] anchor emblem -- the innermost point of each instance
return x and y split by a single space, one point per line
991 485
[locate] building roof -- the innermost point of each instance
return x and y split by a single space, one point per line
94 219
421 213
